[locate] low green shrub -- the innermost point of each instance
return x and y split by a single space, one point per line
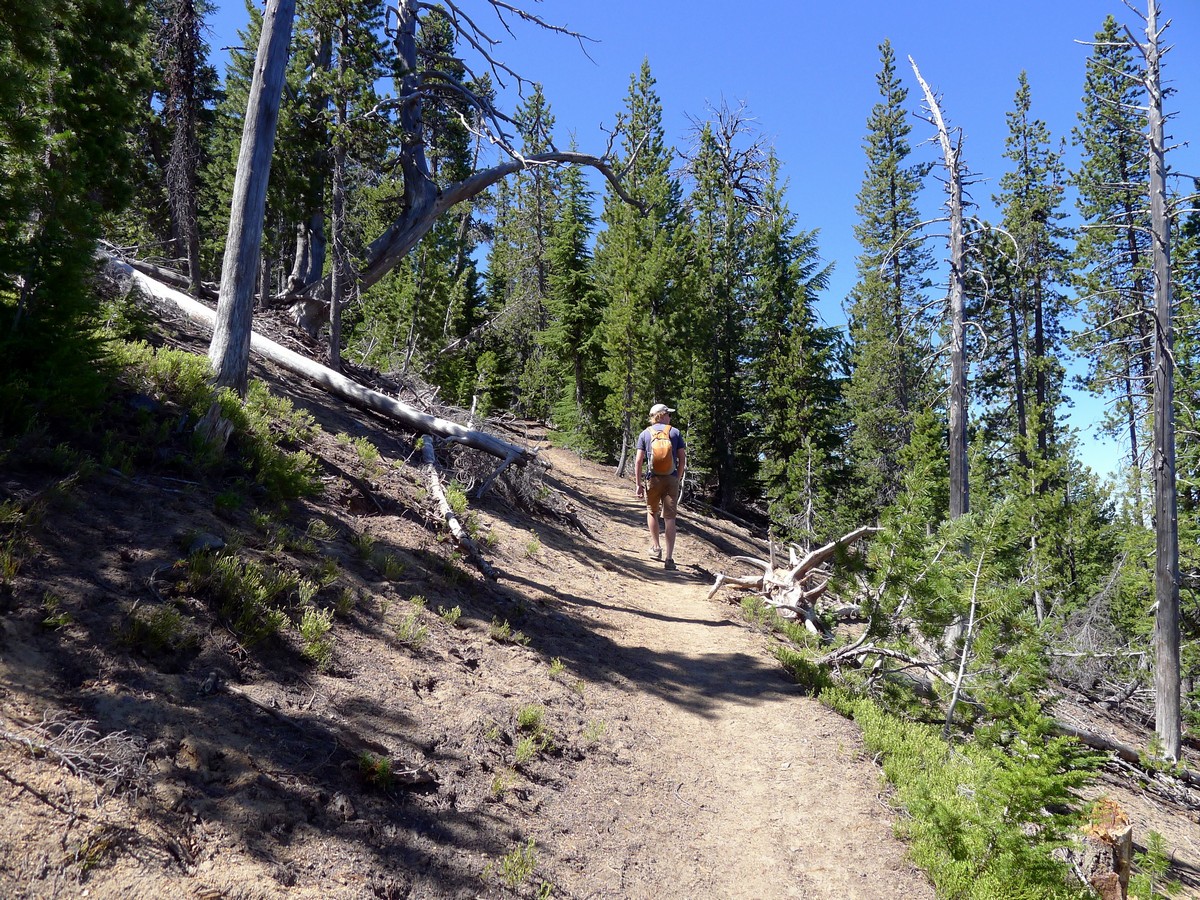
983 820
248 595
157 631
314 627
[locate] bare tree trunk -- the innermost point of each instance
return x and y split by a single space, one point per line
264 278
1168 724
952 153
627 417
230 349
309 261
341 274
337 295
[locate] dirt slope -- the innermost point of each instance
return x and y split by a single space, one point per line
672 757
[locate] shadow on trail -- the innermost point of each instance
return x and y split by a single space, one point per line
698 682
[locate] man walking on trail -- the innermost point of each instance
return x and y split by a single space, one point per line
662 448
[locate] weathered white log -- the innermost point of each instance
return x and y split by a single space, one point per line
784 580
1121 751
846 611
754 561
858 651
447 512
744 581
814 558
330 380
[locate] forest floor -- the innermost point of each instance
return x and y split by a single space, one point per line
623 736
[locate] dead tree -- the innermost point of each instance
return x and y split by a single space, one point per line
181 50
794 589
448 515
1168 724
952 156
230 349
424 200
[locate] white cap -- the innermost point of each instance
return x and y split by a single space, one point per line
660 408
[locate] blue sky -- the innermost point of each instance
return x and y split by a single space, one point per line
806 72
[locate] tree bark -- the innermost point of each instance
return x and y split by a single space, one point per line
952 153
181 108
230 349
1168 724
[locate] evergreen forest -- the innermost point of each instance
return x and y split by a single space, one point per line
417 223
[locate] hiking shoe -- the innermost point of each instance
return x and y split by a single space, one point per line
656 552
669 564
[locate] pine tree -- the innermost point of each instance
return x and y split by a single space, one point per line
574 315
793 378
66 166
638 270
889 338
170 138
715 320
1021 376
1112 255
187 82
519 266
356 135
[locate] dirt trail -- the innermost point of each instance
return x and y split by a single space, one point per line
711 775
745 787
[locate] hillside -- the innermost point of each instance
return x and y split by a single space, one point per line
589 725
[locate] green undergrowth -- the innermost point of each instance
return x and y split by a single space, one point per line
266 429
982 818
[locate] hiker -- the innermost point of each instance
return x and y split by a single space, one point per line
661 446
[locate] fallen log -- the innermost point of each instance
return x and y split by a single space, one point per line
448 515
159 273
329 380
784 589
1121 751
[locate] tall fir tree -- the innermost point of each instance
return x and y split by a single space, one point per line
518 268
570 338
70 79
889 337
715 320
1112 254
357 134
639 271
794 377
1020 380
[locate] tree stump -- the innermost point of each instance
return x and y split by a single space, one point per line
1108 851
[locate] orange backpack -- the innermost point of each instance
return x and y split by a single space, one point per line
662 452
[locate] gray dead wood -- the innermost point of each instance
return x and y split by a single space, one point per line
230 349
333 382
784 589
447 513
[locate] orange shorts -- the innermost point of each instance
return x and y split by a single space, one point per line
663 491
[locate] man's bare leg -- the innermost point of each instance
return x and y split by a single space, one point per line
670 537
652 524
